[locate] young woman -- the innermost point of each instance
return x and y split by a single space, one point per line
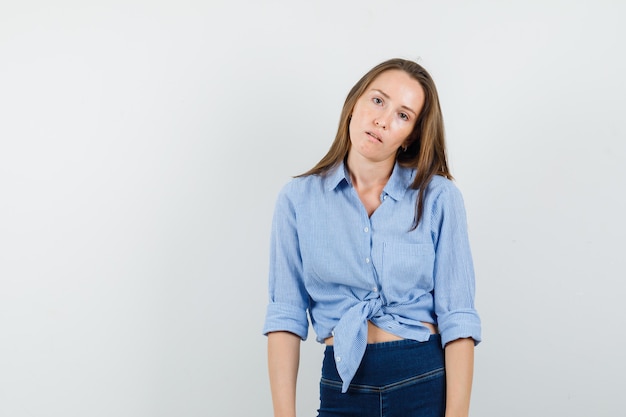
372 243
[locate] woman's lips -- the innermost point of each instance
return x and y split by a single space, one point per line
374 135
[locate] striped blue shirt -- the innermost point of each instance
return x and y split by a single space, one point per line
328 257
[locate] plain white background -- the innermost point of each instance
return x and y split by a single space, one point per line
142 145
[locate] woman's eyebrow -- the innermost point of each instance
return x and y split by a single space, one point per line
382 93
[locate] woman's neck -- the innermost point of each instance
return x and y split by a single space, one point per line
366 174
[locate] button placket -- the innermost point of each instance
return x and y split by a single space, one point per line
368 259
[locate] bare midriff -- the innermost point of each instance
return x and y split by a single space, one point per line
377 335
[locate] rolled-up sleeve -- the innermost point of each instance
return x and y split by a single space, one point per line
454 270
288 299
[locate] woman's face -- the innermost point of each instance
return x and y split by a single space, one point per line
384 116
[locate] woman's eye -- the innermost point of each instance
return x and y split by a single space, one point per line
377 100
404 116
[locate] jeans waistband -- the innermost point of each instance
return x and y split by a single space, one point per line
388 362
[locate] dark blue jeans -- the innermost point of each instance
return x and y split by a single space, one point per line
403 378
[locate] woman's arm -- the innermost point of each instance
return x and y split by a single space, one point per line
283 358
459 372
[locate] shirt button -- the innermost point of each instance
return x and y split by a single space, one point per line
337 358
367 260
375 289
367 229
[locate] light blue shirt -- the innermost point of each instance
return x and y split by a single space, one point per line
328 257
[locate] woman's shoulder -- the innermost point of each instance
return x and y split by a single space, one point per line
442 189
302 186
441 184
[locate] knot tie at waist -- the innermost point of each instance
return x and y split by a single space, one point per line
350 338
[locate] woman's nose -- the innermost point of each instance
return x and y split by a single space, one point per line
383 118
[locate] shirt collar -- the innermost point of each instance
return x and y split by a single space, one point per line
338 175
400 180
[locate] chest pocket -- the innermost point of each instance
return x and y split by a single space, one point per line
407 270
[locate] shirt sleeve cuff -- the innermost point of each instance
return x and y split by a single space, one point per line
459 325
288 318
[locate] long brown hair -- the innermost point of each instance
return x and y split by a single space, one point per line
426 149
